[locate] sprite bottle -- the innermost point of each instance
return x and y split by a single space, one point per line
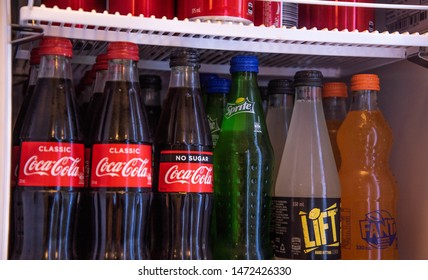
243 163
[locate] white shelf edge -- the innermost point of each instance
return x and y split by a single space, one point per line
145 30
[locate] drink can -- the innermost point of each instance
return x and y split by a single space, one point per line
222 10
86 5
143 7
276 14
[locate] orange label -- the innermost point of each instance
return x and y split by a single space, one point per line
186 171
51 164
121 165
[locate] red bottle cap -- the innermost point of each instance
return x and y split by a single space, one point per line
365 82
335 89
89 77
56 46
35 56
101 62
123 50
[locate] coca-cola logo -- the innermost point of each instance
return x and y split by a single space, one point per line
135 167
200 176
65 166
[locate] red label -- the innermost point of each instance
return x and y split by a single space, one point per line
51 164
14 167
186 171
121 165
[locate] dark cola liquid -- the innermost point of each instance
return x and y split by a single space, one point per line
15 156
181 221
153 114
44 218
120 215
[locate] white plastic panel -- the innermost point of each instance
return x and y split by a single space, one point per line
280 50
404 101
5 122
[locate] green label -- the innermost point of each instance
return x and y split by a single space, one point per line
306 228
241 105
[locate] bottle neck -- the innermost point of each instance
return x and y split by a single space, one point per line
184 76
334 108
100 81
151 97
55 66
122 70
364 100
243 81
281 101
308 93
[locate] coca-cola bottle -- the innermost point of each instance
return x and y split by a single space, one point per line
50 177
121 163
150 91
183 181
33 73
84 94
89 123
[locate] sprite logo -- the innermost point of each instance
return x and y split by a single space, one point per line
241 105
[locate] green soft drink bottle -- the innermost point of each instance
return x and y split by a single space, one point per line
243 163
217 91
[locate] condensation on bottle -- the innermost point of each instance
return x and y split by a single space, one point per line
243 162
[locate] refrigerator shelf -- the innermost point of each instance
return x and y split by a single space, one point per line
281 51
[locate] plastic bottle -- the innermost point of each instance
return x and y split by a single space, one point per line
50 176
150 94
183 181
121 163
307 191
369 191
217 92
243 162
334 104
280 109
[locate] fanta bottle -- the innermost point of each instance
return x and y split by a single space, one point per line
334 96
369 191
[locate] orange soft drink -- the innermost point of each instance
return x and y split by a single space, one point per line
369 191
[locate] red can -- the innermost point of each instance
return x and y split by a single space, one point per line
86 5
353 18
276 14
223 10
143 7
330 17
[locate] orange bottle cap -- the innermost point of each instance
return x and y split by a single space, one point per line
365 82
335 89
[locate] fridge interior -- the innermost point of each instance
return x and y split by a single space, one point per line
281 52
